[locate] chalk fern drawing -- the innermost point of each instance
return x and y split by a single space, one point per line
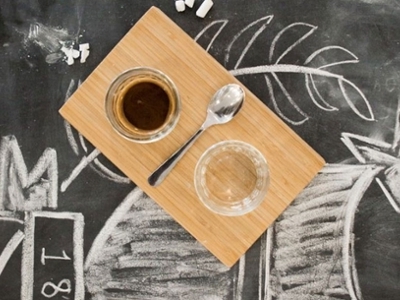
316 65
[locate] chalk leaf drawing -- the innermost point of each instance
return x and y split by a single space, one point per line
21 190
317 65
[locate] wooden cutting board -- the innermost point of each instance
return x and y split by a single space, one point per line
157 42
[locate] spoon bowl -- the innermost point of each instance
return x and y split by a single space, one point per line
223 106
226 103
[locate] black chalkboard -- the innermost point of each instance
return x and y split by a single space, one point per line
329 69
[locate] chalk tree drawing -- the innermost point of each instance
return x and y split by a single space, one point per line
316 65
21 190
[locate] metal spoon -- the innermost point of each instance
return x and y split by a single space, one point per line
224 105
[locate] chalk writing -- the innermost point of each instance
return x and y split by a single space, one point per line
43 272
15 179
57 288
44 256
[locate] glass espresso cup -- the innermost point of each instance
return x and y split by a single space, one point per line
143 105
232 178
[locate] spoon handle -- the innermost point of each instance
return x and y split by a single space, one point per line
165 168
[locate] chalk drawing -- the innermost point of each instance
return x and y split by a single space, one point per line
68 129
368 150
221 23
81 165
57 44
88 159
266 20
313 253
275 67
28 262
10 248
313 240
15 178
112 222
142 253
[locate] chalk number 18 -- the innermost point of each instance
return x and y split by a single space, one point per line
49 289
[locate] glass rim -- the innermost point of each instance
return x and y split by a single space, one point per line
147 136
248 204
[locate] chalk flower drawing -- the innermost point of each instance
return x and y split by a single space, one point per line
311 68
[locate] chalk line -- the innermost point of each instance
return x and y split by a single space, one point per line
291 47
329 48
78 169
388 196
268 255
275 104
109 226
68 129
10 248
235 38
224 22
310 80
240 278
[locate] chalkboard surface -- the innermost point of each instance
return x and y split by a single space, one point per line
73 226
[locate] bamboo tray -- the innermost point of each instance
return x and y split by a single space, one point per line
157 42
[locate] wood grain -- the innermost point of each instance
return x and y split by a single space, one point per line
157 42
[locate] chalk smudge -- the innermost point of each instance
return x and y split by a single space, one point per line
49 39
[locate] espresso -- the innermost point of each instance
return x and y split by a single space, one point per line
146 105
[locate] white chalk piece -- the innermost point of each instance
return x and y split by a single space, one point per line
204 8
68 53
180 5
84 49
75 53
85 54
189 3
84 46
